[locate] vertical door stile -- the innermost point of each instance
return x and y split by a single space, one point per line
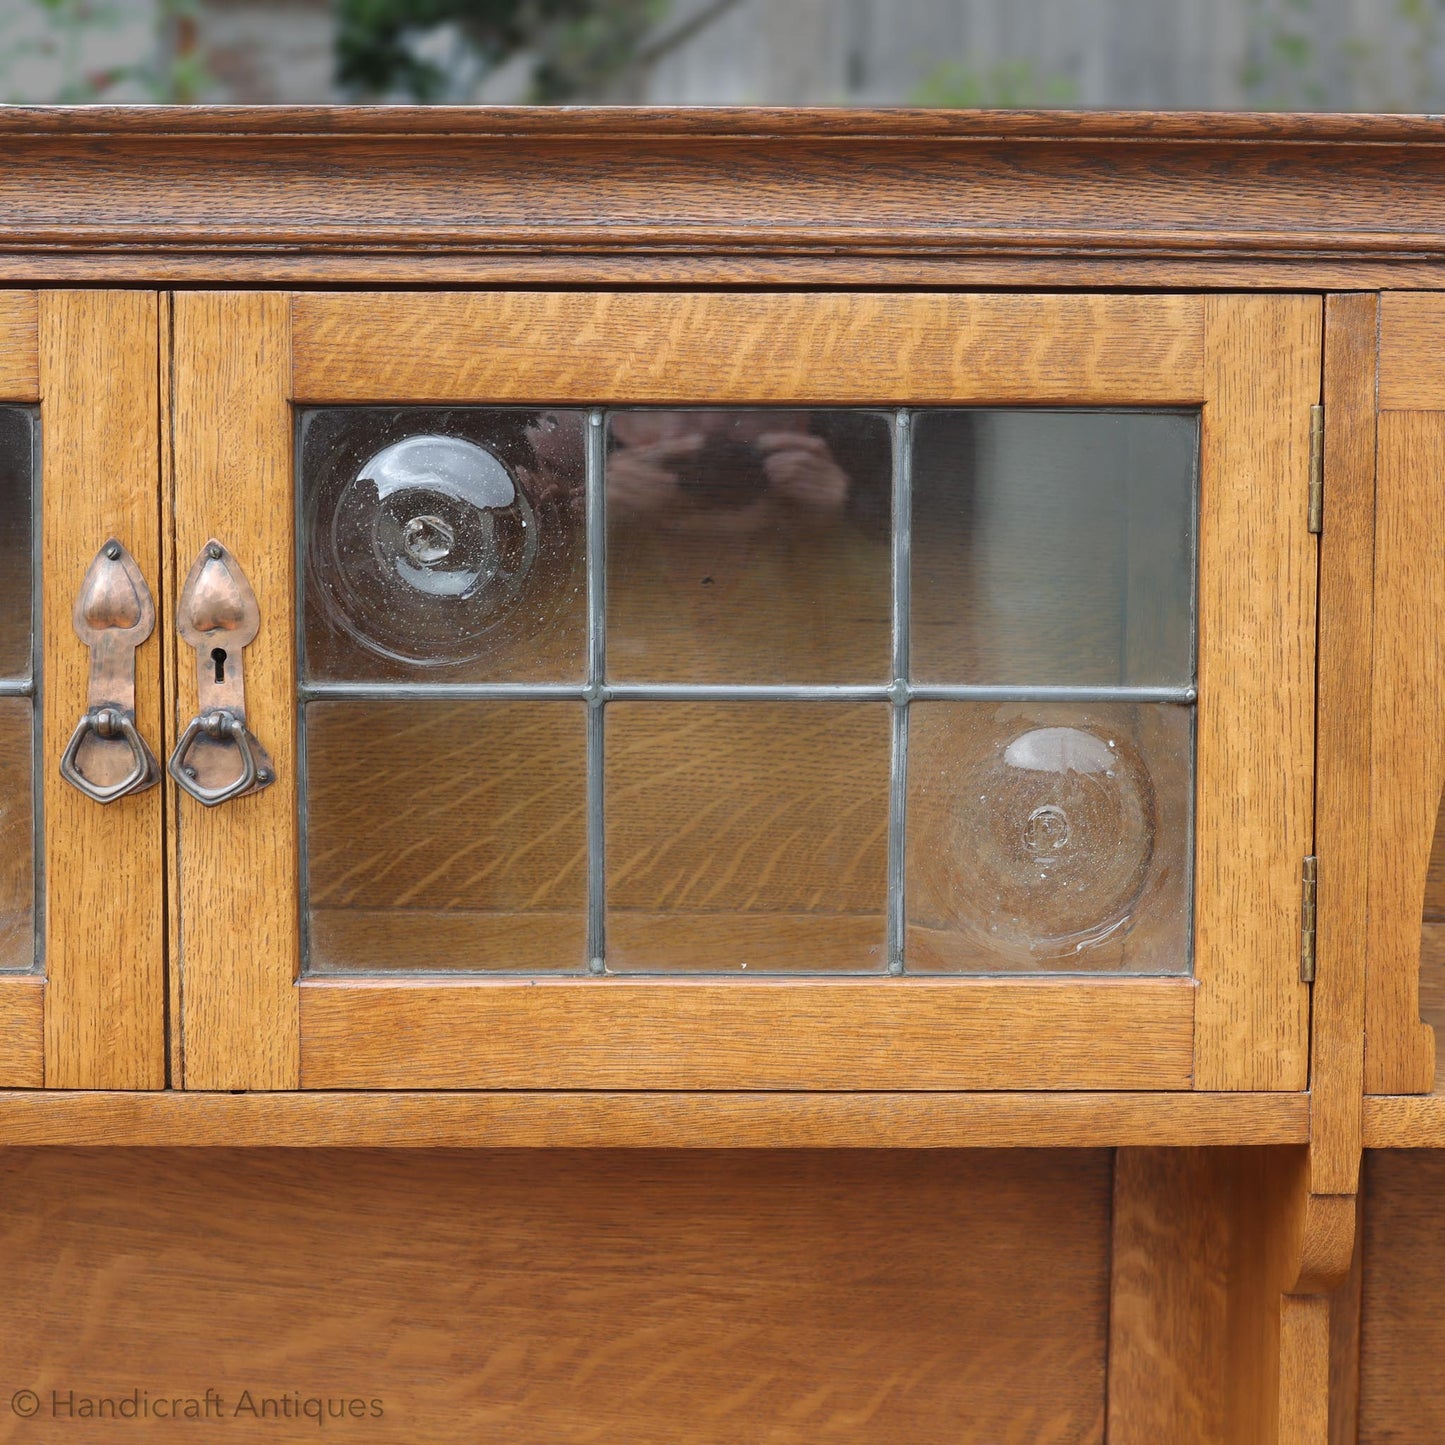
237 868
1254 798
1342 787
166 628
104 880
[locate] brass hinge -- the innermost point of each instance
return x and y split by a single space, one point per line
1309 875
1317 469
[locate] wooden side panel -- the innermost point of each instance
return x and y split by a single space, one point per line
1402 1390
1345 1344
905 349
237 864
1170 1286
104 874
1205 1345
1342 785
19 350
1304 1370
773 1034
1407 746
1412 350
22 1033
1257 570
652 1298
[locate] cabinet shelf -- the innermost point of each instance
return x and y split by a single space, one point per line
638 1120
1404 1121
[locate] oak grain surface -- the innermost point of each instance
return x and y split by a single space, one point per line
1407 766
1169 1293
739 348
1299 128
1342 782
1412 349
1406 962
237 883
597 1119
22 1032
1255 740
652 1298
104 874
1345 1322
19 346
1057 268
740 1033
750 196
1207 1344
1404 1121
1402 1394
227 193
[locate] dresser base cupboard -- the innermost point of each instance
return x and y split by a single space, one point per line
721 776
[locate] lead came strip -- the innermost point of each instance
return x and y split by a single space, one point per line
595 692
898 766
739 692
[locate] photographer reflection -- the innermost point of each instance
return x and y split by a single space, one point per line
748 546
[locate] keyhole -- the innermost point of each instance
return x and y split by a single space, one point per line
218 659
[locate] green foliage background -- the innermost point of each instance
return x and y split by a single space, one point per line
1390 62
579 43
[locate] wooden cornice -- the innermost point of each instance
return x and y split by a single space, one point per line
725 122
436 195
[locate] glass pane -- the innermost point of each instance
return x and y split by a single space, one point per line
445 835
1048 838
444 543
747 836
1053 547
748 546
17 469
17 836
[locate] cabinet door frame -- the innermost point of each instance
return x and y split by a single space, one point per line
92 1015
1251 363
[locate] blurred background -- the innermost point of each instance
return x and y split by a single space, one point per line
1370 55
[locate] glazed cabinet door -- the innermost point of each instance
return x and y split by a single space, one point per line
743 691
82 869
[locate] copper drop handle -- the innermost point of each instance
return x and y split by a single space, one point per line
106 758
218 757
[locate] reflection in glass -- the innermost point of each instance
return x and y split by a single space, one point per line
747 836
446 835
1053 547
748 546
1048 838
17 836
444 540
17 468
